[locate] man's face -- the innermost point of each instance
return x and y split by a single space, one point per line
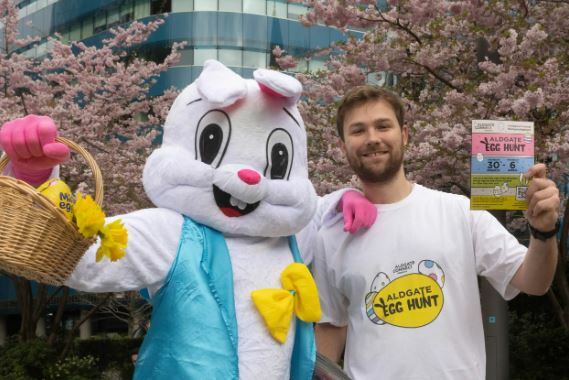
374 141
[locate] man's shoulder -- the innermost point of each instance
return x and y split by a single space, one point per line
443 196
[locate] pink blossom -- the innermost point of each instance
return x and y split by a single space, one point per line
286 62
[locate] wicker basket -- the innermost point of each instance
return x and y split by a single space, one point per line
36 239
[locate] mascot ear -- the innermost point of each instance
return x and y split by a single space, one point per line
219 85
278 84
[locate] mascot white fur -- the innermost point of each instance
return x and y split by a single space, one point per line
231 187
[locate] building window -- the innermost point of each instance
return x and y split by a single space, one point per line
254 59
258 7
113 17
100 23
230 30
296 10
87 28
75 32
204 29
205 5
141 9
179 6
277 8
255 32
230 5
230 57
201 55
126 11
186 57
155 52
160 6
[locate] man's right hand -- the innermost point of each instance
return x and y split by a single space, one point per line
30 144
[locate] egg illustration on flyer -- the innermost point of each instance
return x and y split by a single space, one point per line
501 152
413 299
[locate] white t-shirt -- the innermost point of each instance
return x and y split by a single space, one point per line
407 288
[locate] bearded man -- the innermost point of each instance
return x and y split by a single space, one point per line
402 298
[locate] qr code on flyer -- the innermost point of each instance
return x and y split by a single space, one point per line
521 193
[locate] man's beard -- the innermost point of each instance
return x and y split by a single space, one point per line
371 173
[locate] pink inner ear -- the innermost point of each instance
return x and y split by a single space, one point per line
270 91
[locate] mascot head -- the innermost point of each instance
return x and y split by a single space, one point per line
234 155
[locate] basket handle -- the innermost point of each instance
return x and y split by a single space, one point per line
86 155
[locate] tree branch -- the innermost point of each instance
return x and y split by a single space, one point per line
435 74
398 24
69 339
83 139
58 317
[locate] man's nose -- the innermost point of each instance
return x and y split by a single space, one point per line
373 136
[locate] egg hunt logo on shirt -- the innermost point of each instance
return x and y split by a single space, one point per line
412 300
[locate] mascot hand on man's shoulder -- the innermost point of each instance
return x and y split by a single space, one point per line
218 257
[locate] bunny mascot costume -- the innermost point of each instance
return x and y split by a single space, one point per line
231 190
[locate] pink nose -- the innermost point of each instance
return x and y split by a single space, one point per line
250 177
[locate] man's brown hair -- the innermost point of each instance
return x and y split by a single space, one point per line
367 93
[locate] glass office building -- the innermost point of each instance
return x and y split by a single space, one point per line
239 33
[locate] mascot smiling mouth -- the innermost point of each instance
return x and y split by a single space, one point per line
231 206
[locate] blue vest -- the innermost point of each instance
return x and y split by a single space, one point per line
193 334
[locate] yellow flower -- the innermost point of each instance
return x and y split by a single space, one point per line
114 238
88 216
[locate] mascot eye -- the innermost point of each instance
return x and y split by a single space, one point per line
210 142
212 136
279 154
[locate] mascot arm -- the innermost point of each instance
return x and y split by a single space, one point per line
348 204
153 239
30 144
10 172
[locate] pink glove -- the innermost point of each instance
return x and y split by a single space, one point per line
30 144
358 211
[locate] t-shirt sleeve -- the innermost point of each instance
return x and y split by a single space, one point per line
498 253
326 214
332 301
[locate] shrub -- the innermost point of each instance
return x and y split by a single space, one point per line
74 368
23 361
537 349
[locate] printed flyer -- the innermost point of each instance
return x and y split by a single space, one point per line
501 152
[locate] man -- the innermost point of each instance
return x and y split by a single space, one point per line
402 297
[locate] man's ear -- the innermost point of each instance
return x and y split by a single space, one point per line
405 132
342 145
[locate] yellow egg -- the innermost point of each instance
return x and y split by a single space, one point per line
59 194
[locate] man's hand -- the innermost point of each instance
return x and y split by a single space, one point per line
543 199
358 211
30 144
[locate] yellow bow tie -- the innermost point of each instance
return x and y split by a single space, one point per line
299 294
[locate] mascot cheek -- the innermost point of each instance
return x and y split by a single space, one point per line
171 167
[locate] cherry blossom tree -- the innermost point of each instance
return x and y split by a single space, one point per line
99 97
452 62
